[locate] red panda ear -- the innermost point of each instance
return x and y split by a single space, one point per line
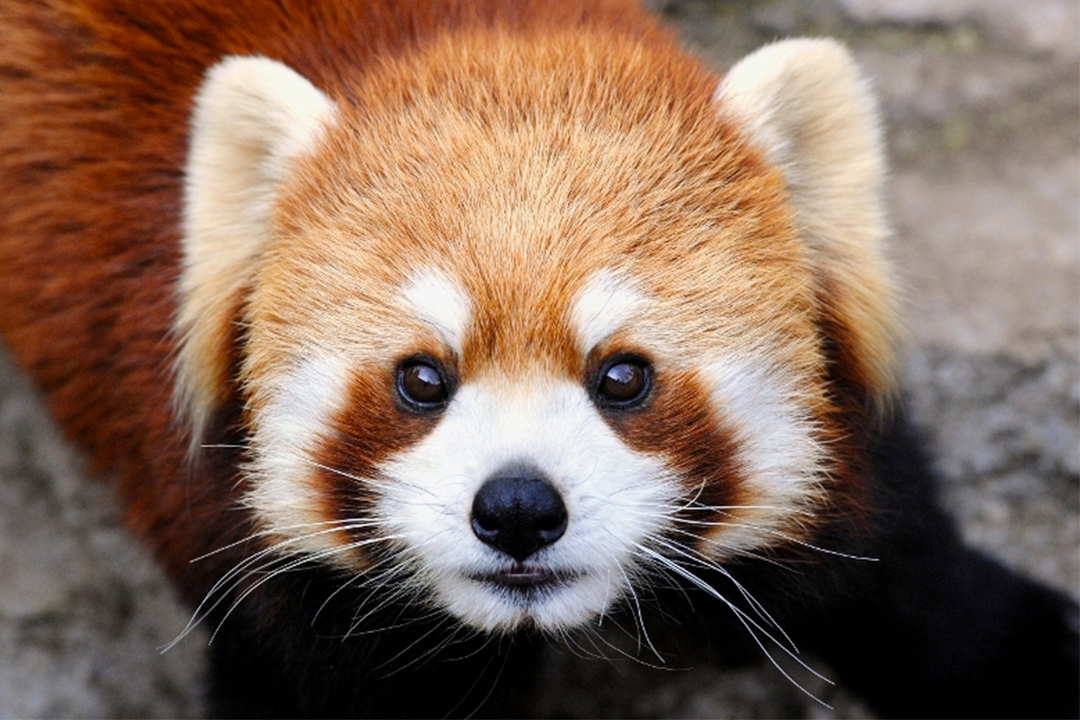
252 118
805 104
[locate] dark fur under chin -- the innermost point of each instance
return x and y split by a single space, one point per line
931 628
306 663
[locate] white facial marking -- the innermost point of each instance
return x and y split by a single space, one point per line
439 303
776 444
286 434
615 498
608 302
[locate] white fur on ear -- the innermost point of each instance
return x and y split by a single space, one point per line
253 117
806 105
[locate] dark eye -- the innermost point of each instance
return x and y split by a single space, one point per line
624 382
422 383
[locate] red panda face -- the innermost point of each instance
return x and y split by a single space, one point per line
515 341
516 493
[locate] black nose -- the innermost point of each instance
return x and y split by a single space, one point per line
518 512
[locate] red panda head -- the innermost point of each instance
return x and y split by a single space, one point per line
525 321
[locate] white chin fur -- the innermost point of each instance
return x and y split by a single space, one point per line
614 497
487 608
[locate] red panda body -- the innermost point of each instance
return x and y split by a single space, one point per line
416 334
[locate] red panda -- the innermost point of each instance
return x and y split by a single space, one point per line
418 335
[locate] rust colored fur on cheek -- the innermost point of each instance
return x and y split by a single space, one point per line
849 373
678 424
372 427
848 424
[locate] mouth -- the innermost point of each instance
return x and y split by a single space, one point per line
511 596
525 580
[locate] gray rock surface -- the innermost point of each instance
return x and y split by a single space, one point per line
982 106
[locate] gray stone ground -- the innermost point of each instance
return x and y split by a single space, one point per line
981 102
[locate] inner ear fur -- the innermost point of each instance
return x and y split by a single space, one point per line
806 106
252 118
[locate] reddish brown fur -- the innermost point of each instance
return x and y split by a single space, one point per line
677 422
357 444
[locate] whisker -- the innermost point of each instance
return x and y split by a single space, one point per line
438 646
479 676
705 562
345 524
250 567
788 538
341 473
246 563
747 622
385 599
291 565
359 580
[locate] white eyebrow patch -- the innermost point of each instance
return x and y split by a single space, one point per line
440 303
607 303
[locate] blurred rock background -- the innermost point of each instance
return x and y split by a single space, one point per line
981 101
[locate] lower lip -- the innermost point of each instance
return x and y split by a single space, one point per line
522 578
